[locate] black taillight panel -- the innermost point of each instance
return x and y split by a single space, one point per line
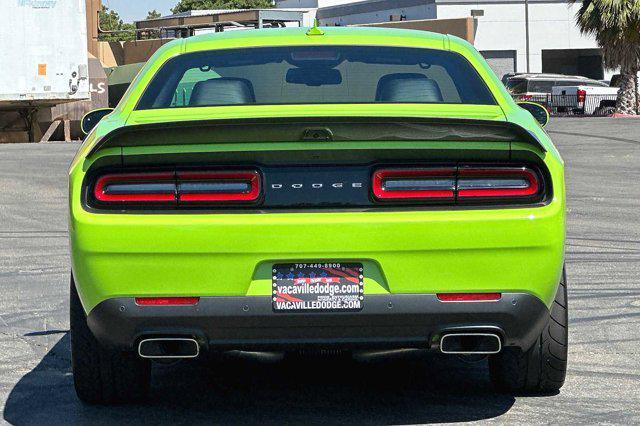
318 187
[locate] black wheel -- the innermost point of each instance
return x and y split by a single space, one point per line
101 375
541 369
605 111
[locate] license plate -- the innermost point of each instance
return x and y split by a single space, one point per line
318 287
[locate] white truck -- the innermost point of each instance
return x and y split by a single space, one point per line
43 60
44 52
584 99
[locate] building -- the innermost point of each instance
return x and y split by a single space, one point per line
514 35
195 22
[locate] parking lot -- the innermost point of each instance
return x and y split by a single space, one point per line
603 265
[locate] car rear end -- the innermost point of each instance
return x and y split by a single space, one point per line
420 223
411 220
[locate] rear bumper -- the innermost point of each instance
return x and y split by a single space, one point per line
249 323
519 250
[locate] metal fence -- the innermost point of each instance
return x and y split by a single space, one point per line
574 105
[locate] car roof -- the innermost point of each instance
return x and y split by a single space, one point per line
299 35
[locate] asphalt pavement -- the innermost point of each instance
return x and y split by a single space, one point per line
603 266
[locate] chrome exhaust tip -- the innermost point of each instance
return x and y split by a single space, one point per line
168 348
470 344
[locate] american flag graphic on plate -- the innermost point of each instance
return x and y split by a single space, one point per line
318 287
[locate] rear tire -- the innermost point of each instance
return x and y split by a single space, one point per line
102 375
605 111
541 369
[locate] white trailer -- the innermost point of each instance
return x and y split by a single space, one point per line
44 54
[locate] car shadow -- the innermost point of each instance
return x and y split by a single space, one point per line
399 387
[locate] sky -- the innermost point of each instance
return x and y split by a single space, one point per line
135 10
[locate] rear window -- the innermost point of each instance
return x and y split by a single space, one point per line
315 75
516 85
541 86
589 83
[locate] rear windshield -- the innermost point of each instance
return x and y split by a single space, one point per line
315 75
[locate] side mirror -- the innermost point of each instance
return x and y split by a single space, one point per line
92 118
539 112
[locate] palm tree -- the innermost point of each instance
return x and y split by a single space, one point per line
616 27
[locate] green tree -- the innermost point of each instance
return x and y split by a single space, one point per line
110 21
187 5
616 26
154 14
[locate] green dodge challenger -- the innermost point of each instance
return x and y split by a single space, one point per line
335 188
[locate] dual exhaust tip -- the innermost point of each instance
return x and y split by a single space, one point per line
168 348
470 344
450 343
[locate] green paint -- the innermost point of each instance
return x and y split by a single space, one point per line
508 250
315 31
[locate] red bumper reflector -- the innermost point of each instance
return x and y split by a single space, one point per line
469 297
167 301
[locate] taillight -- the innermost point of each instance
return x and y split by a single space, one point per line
136 188
497 182
582 96
414 184
223 186
462 184
175 188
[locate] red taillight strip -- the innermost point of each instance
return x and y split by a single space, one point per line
252 178
469 297
497 191
167 301
103 182
382 175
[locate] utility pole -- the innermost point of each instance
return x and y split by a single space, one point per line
526 24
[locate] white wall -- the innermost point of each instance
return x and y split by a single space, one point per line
281 4
427 11
310 3
551 26
502 28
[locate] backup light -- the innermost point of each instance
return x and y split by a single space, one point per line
136 187
223 186
416 184
497 182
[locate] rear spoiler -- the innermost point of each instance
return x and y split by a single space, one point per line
317 129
